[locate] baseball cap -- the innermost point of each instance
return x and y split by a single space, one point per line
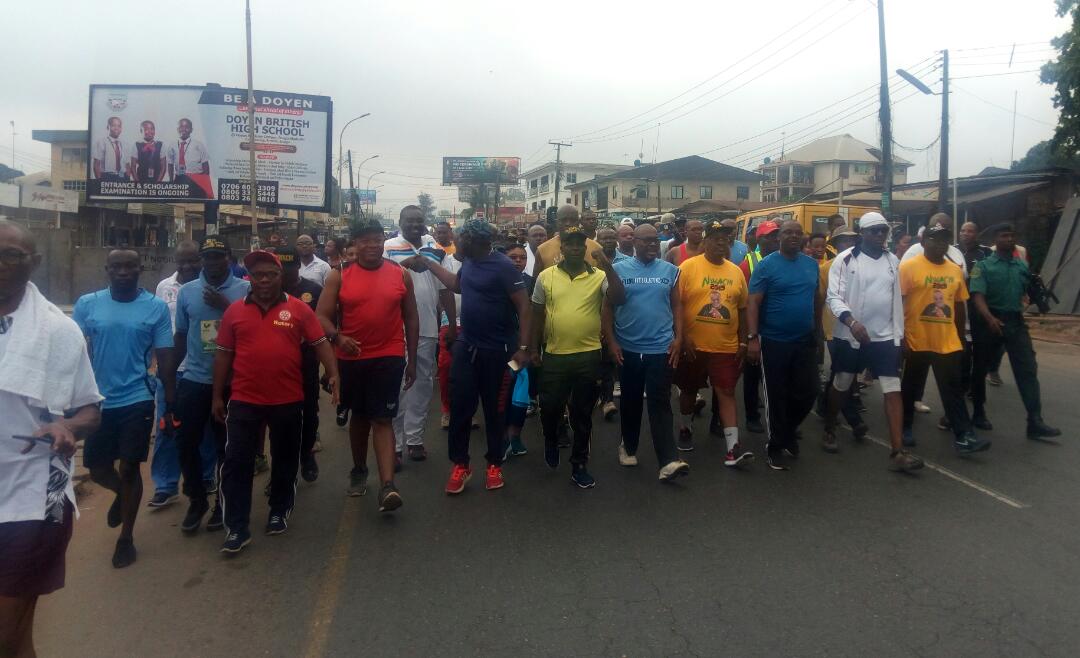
767 227
213 244
716 226
626 221
572 232
287 256
937 232
260 256
842 232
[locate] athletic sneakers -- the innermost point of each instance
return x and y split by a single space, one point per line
860 431
969 443
459 475
216 520
754 425
276 525
609 410
193 518
994 379
342 415
625 458
580 476
828 442
921 407
775 459
357 482
309 469
908 438
112 517
444 422
389 498
124 554
516 447
261 465
944 425
162 499
738 456
235 542
494 478
674 469
904 461
685 442
417 453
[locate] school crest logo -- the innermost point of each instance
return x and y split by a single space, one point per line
117 101
284 316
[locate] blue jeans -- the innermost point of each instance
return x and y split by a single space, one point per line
165 465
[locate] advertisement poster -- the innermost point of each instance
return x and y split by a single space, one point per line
46 198
469 170
183 144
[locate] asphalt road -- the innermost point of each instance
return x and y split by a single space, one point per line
838 556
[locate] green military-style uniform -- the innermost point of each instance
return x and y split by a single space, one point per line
1003 282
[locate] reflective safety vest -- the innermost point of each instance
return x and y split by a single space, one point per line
752 259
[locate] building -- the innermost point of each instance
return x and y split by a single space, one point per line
651 189
540 182
828 166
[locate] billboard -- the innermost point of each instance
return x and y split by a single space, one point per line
183 144
46 198
365 196
467 171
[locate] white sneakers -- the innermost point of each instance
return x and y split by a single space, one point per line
674 469
626 459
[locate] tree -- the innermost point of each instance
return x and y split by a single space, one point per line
1064 74
427 204
1042 156
466 214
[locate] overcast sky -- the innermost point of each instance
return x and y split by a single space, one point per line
478 77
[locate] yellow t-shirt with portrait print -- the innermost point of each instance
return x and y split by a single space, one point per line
712 297
931 293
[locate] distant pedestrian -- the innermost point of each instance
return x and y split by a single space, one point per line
312 267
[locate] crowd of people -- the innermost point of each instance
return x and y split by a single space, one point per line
555 321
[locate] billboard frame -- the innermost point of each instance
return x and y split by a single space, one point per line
329 149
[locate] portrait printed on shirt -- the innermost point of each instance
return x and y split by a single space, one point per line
718 309
939 309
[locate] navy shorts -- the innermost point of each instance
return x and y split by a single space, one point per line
124 434
882 358
370 387
34 552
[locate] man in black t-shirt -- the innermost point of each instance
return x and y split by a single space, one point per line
308 292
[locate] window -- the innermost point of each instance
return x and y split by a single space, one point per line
532 183
614 192
543 202
77 185
742 192
73 155
544 183
705 192
676 192
533 206
571 178
641 192
862 169
575 199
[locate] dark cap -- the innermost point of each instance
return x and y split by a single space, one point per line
1003 227
715 226
572 233
213 244
288 256
260 256
938 232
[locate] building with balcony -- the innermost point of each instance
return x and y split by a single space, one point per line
826 167
651 189
540 181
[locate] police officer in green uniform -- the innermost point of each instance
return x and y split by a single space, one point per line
998 285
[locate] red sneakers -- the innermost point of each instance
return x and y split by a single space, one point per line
494 477
458 477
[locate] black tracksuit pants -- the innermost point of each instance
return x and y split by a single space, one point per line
570 381
193 406
478 376
948 372
791 386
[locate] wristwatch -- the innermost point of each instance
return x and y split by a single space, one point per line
523 348
750 337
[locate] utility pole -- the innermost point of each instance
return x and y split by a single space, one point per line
885 116
352 190
558 171
943 172
251 134
1012 144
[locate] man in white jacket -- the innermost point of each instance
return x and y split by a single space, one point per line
864 296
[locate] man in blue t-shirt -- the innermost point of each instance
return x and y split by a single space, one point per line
200 305
783 312
645 339
495 312
124 327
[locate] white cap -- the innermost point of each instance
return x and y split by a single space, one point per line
626 221
872 219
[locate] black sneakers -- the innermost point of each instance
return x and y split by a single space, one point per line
342 415
581 477
215 522
276 524
235 542
193 518
309 468
124 555
1037 429
162 499
389 498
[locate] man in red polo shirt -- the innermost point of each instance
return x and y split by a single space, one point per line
259 348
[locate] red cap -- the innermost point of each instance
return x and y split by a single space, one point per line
764 228
260 256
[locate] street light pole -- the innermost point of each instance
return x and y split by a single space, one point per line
251 134
341 161
885 117
371 207
943 171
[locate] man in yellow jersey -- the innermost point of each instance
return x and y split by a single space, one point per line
550 252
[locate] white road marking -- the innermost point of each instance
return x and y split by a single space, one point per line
996 495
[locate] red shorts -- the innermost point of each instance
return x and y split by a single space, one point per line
720 368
